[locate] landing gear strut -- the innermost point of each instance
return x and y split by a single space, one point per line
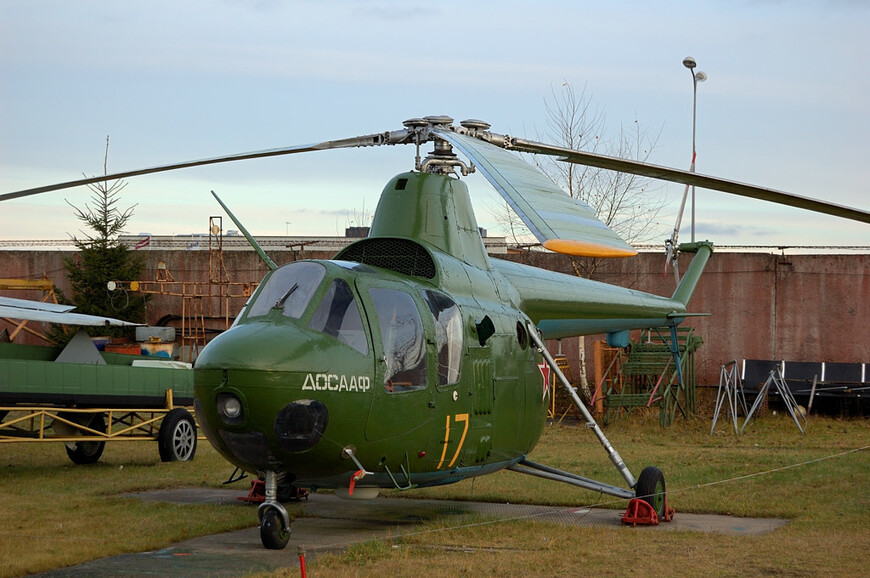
648 500
274 520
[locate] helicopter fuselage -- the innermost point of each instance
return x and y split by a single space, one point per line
367 359
407 355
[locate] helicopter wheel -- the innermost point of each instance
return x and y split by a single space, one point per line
273 533
651 489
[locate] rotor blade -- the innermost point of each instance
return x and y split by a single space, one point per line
359 141
35 305
689 178
46 316
561 223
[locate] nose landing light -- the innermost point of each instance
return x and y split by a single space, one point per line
230 408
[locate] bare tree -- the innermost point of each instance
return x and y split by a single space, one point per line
628 204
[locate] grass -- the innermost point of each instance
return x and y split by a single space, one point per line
820 482
56 514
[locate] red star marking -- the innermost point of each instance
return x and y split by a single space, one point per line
545 373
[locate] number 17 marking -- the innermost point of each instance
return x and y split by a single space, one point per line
459 417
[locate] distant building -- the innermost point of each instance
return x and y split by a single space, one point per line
357 232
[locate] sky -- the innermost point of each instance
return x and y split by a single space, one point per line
784 106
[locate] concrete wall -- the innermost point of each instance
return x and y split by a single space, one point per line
794 307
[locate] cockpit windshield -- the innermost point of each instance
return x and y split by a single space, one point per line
289 288
338 316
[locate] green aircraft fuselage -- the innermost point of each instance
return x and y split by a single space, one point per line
410 349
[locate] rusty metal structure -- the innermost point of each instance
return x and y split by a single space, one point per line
199 300
48 296
645 375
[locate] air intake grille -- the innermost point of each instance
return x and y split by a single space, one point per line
400 255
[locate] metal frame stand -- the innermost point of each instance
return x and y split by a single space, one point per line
730 388
778 381
671 397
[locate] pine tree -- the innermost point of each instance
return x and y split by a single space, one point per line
102 258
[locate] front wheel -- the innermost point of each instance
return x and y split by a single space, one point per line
176 439
651 489
272 531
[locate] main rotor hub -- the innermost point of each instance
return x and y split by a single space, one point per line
442 160
439 121
415 123
474 126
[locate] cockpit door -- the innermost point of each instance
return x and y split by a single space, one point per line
403 354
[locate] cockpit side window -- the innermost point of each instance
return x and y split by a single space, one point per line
448 335
338 316
288 288
402 335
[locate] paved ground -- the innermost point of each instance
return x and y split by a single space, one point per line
328 523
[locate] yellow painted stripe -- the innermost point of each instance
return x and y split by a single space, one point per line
586 249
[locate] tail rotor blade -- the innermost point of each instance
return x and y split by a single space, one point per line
672 256
673 246
675 263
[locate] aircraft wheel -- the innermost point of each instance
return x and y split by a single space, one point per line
651 489
83 453
272 531
176 439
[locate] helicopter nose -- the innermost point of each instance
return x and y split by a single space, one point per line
297 427
251 388
257 346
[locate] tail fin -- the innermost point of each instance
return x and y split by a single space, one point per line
269 262
702 251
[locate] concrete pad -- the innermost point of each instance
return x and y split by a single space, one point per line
326 523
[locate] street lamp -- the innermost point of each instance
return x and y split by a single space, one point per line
697 77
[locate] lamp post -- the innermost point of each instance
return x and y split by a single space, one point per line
697 77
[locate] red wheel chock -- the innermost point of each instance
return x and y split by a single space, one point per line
257 495
640 512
